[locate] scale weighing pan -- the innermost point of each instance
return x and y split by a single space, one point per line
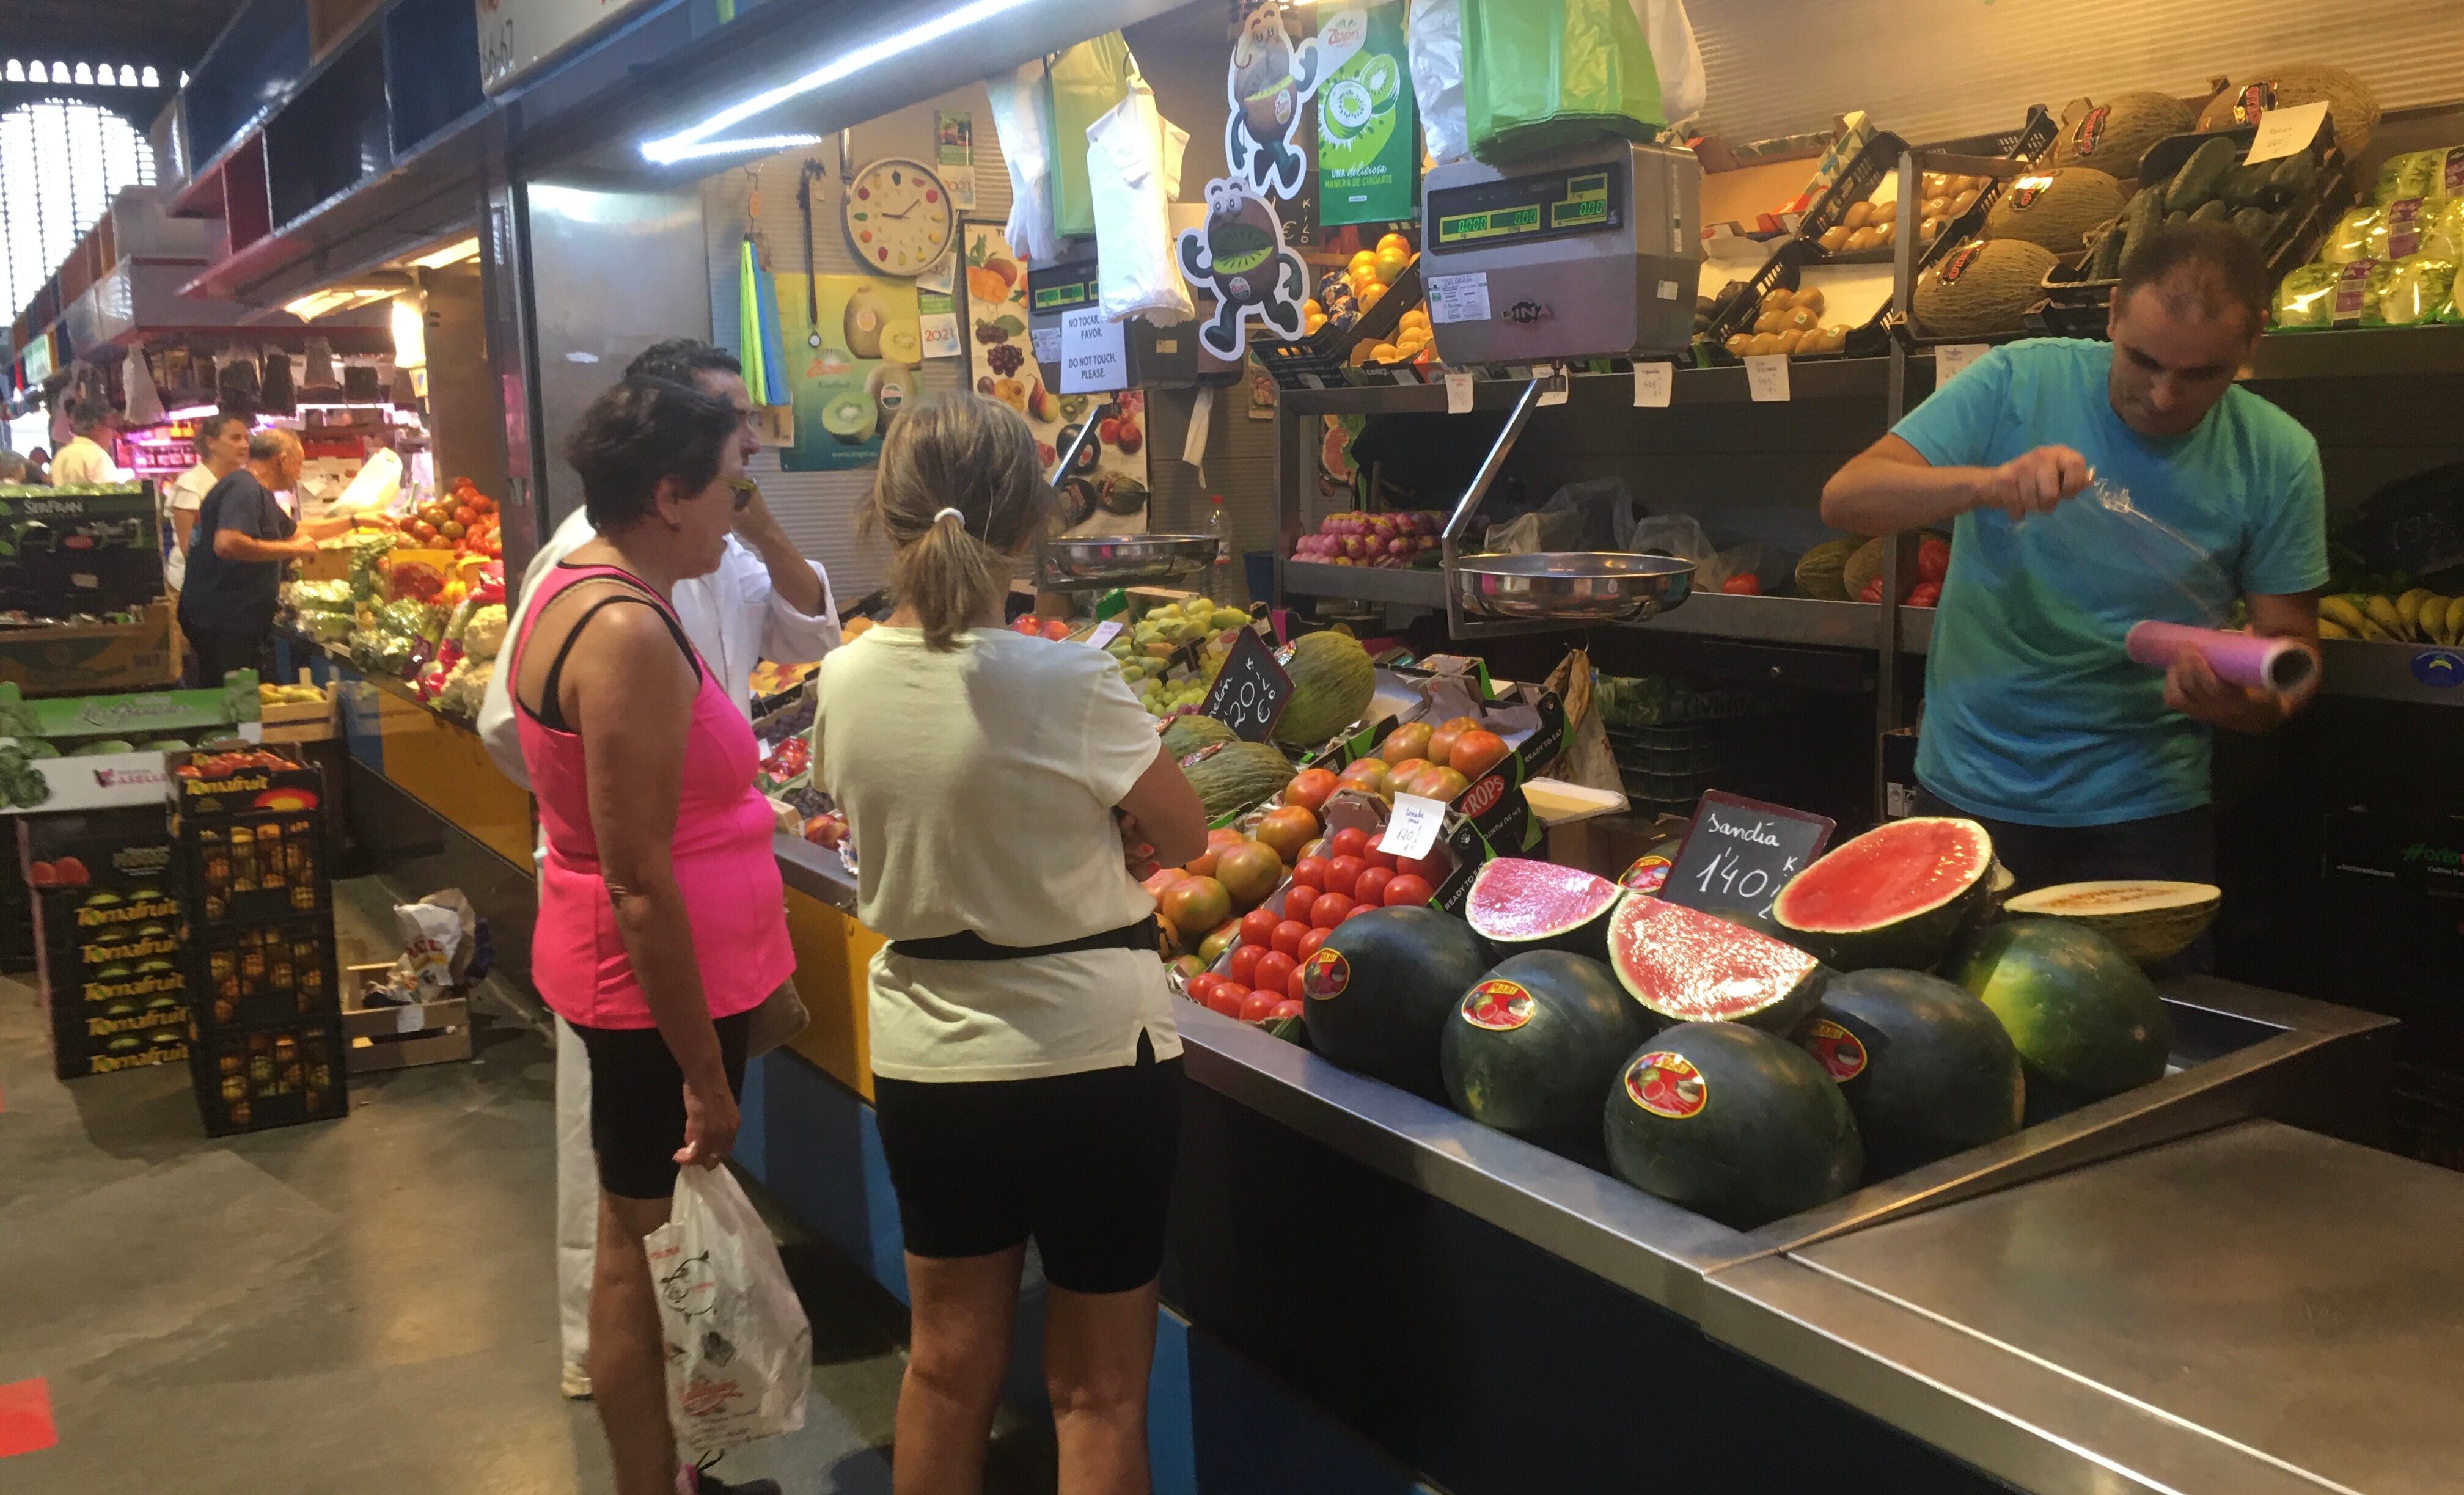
1573 586
1125 559
1586 253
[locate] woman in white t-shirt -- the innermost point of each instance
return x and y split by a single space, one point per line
1025 1066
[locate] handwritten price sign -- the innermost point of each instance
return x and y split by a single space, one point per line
1741 852
1250 694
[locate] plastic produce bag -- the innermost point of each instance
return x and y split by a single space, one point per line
1680 535
1434 43
739 1350
1133 156
1087 82
2420 288
1022 103
1772 567
1545 73
1682 85
144 404
2421 173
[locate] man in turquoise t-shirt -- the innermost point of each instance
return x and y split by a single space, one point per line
2081 763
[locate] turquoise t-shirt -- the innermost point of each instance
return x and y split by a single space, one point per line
2032 713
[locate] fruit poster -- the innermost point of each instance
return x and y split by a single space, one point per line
849 383
1106 494
1368 134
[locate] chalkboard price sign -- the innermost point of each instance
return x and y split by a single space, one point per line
1741 852
1250 691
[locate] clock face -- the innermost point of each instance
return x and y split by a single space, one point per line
899 218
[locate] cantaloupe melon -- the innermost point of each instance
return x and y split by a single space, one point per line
2113 135
1983 290
2055 208
2351 104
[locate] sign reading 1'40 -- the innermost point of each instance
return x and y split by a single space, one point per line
1729 878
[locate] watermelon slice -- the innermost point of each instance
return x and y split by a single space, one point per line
1687 966
1517 904
1901 894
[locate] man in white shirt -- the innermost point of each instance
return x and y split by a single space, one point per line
765 602
222 447
84 460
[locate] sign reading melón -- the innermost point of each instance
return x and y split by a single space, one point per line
1250 694
1741 852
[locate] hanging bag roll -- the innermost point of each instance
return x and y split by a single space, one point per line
1541 75
1088 81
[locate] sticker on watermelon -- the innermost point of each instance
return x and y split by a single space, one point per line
1326 974
1834 1047
1500 1006
1667 1085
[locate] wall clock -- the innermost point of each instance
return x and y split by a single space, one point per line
899 218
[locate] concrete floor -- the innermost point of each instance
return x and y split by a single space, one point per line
364 1306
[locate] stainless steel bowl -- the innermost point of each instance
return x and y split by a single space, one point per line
1126 560
1573 586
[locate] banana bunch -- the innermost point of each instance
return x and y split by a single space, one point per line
2420 616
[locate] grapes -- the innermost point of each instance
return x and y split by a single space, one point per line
1004 359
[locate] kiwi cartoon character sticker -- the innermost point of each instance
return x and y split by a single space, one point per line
1270 78
1239 252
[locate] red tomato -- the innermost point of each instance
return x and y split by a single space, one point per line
1933 559
1925 594
1430 868
1309 943
1745 584
1476 752
1202 987
1374 855
1227 999
1358 911
1328 910
1343 874
1275 971
1261 1005
1411 890
1287 937
1290 1007
1371 887
1310 789
1244 964
1258 926
1349 842
1310 871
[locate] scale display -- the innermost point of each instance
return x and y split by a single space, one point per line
1525 209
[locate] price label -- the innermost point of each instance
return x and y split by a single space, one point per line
1250 691
1653 383
1458 391
1047 344
1952 358
1740 853
1105 633
1459 297
1413 827
1767 375
2283 131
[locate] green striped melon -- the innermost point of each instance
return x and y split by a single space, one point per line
1234 775
1331 683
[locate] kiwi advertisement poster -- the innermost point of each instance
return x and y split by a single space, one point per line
1107 494
849 383
1368 134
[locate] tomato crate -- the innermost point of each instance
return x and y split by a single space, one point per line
267 974
208 784
253 1079
262 868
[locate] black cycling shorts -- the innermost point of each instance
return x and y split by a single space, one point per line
1081 1162
637 1103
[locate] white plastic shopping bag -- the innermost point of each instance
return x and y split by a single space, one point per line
1133 158
739 1349
1019 112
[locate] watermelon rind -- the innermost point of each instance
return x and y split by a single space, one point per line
1913 936
1517 904
1927 1068
1534 1066
2085 1019
1659 951
1404 970
1771 1136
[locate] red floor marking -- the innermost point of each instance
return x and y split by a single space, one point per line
25 1417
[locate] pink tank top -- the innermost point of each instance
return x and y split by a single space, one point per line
722 850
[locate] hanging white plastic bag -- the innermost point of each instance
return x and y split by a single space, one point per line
1682 86
145 403
1018 112
1435 45
739 1350
1133 158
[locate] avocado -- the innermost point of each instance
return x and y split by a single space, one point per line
849 416
2212 210
2202 177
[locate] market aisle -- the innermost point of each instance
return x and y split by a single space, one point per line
363 1307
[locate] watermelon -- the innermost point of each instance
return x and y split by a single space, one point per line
1377 993
1926 1068
1517 904
1687 966
1331 683
1534 1042
1730 1122
2085 1018
1899 895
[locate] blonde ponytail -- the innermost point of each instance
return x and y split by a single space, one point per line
959 494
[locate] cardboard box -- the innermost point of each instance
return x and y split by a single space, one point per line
61 659
398 1036
296 786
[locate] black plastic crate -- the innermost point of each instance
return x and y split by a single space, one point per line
261 867
253 1079
1323 360
261 975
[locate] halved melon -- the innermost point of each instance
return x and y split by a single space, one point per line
1899 895
1517 904
2151 922
1687 966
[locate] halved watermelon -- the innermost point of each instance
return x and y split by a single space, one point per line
1517 905
1687 966
1901 894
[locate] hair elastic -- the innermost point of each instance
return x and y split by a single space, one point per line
952 514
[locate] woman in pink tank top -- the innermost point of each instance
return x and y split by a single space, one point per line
662 922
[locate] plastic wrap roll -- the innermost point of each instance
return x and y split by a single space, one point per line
2244 659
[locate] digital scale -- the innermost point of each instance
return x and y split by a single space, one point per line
1584 253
